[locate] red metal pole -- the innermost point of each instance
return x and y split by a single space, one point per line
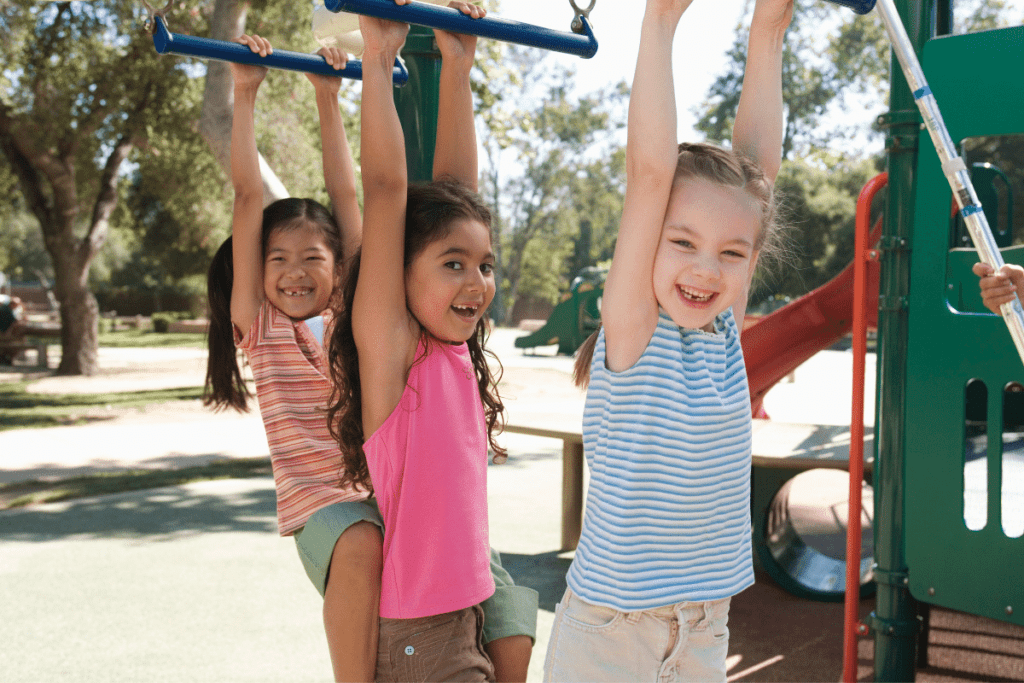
853 535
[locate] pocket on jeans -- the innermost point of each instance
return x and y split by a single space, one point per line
413 650
584 616
719 623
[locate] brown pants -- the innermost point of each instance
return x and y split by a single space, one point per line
446 647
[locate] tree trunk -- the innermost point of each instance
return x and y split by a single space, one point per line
79 324
218 98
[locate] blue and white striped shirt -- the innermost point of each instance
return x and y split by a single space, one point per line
667 441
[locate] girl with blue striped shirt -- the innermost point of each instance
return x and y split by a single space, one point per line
667 422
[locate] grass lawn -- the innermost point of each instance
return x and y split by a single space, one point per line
20 409
149 338
25 493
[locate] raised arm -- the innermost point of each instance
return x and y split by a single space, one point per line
385 333
247 216
758 130
629 309
455 150
339 170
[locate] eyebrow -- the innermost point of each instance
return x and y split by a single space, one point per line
461 251
691 232
303 251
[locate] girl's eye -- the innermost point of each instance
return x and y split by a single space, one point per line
487 268
454 265
685 244
734 254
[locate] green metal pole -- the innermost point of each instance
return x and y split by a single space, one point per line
416 102
894 621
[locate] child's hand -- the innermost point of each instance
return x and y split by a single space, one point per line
337 58
246 75
459 46
381 36
773 13
999 287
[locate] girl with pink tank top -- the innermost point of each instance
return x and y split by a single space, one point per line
415 404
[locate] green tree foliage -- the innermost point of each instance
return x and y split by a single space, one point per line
101 145
553 170
835 63
80 92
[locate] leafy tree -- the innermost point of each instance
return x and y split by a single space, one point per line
833 60
560 147
85 102
79 95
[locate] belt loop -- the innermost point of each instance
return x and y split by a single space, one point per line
633 617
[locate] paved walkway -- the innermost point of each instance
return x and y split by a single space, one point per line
193 583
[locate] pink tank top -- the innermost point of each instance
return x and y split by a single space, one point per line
428 464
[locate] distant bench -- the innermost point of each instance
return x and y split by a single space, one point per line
781 451
35 336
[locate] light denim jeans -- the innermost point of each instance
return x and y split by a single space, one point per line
688 641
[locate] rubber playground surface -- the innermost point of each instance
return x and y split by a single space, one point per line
193 583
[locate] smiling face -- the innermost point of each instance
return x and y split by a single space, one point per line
299 273
450 283
706 256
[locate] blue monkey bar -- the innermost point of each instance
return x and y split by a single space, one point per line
582 43
858 6
226 51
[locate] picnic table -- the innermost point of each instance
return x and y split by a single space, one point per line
780 452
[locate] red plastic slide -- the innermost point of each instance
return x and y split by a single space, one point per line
780 342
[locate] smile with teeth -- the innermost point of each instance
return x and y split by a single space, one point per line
465 311
695 295
301 291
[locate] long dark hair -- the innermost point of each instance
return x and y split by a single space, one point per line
225 385
724 167
431 211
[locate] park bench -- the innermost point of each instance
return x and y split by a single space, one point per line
12 347
35 336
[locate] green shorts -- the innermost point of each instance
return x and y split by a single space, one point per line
511 611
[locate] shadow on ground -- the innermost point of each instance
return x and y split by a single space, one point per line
157 514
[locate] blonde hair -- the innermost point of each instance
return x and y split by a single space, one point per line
703 161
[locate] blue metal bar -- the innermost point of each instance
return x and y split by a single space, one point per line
582 44
208 48
858 6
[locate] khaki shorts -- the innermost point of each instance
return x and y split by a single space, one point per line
446 647
688 641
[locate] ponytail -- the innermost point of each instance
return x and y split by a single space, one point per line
584 357
225 386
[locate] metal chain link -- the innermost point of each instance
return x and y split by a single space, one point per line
150 24
581 15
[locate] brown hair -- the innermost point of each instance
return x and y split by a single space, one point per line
431 212
712 163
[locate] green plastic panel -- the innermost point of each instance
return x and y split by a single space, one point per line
975 80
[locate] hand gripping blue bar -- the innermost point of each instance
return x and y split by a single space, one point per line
858 6
226 51
582 44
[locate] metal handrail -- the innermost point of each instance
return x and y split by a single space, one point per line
582 43
227 51
858 6
861 256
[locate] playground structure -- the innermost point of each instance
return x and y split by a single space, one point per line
575 318
930 546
